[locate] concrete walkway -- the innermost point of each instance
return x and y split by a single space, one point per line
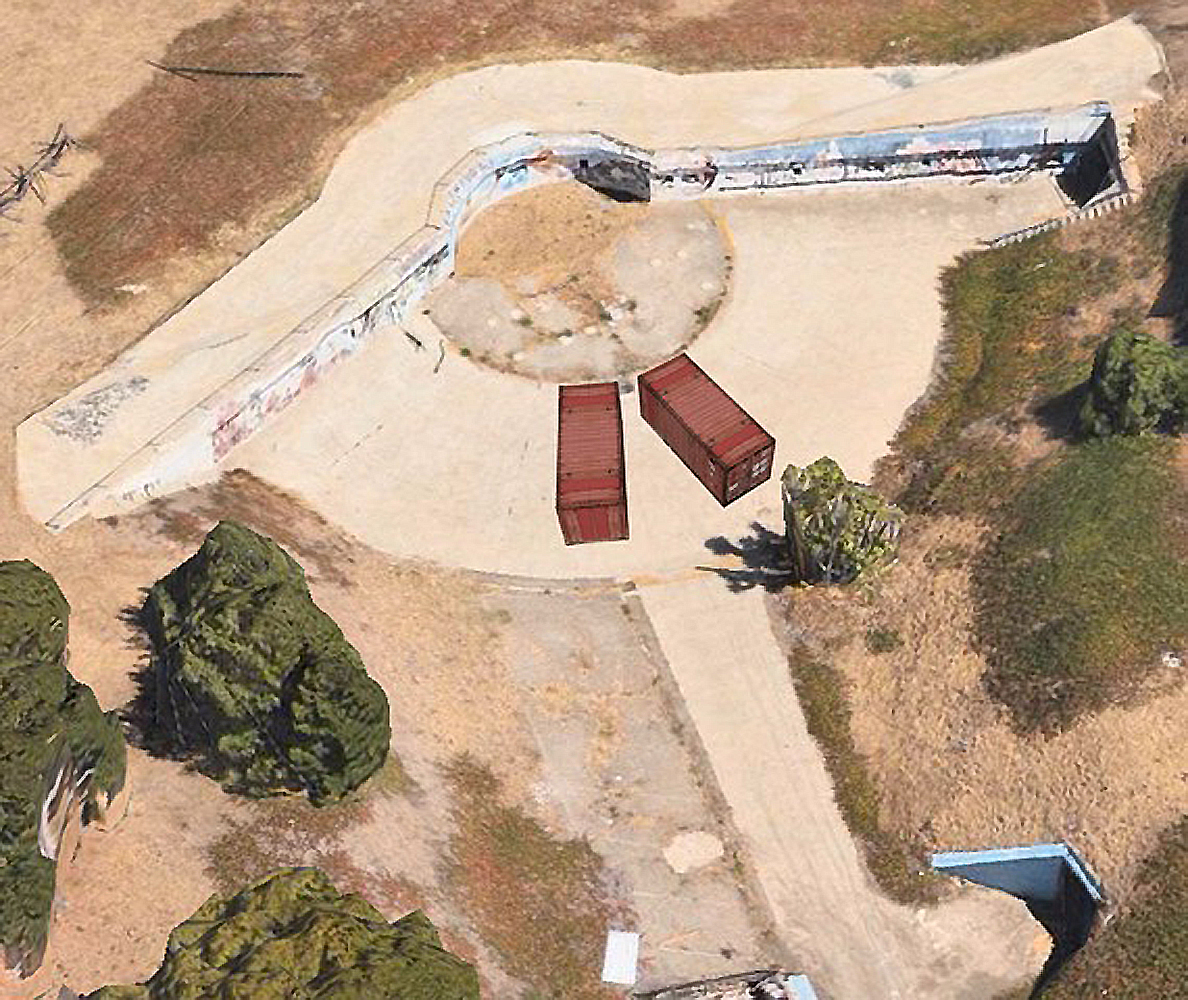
853 942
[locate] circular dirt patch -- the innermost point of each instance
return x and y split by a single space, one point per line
692 849
562 284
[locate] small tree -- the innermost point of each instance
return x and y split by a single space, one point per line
1139 383
836 529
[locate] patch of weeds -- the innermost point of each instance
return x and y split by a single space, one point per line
1005 343
707 312
604 314
1159 207
883 640
464 351
998 344
276 833
898 863
1142 953
543 903
391 780
948 556
524 320
965 476
1083 589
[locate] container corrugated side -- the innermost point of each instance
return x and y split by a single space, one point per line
591 477
720 443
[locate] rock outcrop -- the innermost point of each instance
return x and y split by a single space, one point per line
292 934
62 759
254 681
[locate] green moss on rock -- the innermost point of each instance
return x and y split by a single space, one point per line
292 934
254 680
836 529
53 738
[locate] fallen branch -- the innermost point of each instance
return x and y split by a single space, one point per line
29 180
189 72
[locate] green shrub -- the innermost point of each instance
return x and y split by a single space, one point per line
292 934
1082 589
1139 383
255 680
836 529
51 730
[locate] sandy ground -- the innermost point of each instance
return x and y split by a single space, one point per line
386 173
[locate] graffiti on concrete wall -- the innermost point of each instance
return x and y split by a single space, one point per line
1004 144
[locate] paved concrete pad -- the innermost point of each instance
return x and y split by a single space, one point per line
379 190
826 337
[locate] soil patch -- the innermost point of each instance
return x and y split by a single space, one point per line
560 283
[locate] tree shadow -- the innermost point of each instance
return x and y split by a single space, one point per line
1171 302
1060 415
143 726
764 553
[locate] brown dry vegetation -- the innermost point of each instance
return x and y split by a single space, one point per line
213 165
1080 743
543 903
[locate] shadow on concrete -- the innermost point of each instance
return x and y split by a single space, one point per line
764 555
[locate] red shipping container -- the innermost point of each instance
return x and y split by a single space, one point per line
591 478
720 443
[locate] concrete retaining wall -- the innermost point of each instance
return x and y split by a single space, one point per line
189 448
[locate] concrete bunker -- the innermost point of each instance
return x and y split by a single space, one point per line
172 440
1057 886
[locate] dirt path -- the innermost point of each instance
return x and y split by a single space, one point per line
852 941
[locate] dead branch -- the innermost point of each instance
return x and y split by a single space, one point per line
190 72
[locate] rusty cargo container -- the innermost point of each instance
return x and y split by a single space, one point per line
720 443
591 479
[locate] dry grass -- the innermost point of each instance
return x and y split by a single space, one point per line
541 902
897 859
212 166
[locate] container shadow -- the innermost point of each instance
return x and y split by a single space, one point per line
765 558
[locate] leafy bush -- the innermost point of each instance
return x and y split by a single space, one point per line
837 529
1139 383
255 680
